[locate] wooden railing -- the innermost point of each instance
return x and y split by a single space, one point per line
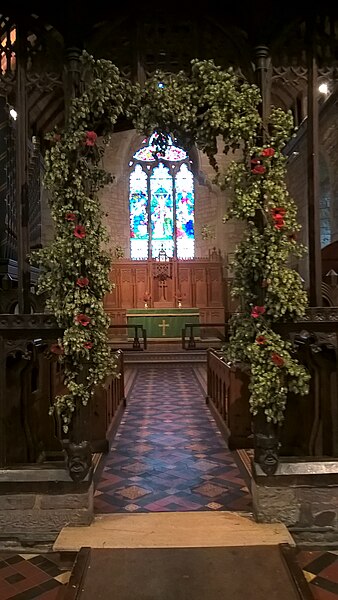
228 397
140 333
310 427
29 382
220 331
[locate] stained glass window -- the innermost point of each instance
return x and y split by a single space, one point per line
161 199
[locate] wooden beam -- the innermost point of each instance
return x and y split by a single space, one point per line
315 270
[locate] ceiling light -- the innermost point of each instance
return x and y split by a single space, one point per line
323 88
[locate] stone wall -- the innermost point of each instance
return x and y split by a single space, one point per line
36 503
210 200
328 174
303 495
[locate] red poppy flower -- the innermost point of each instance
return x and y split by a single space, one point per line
261 340
255 161
91 138
258 170
268 152
80 232
279 223
56 349
82 282
70 216
278 212
88 345
82 319
257 311
277 360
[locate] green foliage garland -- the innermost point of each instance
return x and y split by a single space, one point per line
196 108
268 289
75 265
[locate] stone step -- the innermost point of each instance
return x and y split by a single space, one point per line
145 356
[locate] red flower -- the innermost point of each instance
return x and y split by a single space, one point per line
82 319
279 223
88 345
70 216
257 311
268 152
57 137
56 349
91 138
82 282
255 161
278 212
261 340
80 232
258 170
278 360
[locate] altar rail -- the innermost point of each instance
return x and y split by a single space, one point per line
121 329
220 330
310 427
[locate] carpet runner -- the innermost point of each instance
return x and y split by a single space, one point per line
253 573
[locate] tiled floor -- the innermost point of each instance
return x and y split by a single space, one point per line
33 576
40 576
168 454
321 571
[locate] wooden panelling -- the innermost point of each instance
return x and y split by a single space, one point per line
199 283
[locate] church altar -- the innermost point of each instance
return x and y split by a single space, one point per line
163 322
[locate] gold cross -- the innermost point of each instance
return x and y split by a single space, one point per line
163 325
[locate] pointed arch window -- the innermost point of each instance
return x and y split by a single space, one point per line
161 202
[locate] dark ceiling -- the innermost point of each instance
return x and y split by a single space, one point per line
142 36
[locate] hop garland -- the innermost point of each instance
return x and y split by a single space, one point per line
75 268
262 272
195 108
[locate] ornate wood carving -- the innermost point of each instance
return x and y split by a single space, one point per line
195 283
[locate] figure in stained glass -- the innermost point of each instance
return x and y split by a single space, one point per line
161 202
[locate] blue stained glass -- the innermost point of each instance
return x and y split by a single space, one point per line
153 192
138 204
161 208
185 232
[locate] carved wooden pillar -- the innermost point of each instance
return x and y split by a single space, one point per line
22 208
263 80
315 274
72 78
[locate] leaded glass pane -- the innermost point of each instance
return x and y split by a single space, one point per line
148 153
185 233
138 203
161 210
139 249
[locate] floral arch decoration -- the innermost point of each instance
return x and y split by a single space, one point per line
193 108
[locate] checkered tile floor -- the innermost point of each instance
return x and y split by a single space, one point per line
168 454
321 572
40 576
33 576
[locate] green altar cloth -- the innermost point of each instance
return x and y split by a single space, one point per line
163 322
